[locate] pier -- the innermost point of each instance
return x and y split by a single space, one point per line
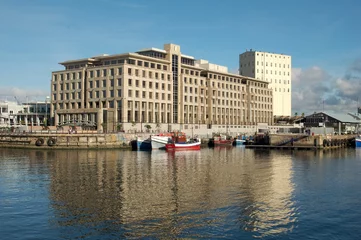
301 142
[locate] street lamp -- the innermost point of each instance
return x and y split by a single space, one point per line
46 110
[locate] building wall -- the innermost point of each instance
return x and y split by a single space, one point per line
274 69
157 86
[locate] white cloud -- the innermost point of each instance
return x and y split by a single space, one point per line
22 94
315 90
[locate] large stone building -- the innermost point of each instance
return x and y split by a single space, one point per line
156 86
274 69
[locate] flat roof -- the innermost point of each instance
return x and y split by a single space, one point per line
152 49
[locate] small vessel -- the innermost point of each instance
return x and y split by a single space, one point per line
240 140
221 140
193 144
159 141
142 144
358 141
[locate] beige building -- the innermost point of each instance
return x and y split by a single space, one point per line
161 86
274 69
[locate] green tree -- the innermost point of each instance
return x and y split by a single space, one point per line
148 127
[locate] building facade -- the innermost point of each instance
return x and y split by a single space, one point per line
156 86
26 114
274 69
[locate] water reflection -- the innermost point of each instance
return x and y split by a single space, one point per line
216 192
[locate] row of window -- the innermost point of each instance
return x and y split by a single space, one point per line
148 74
280 90
67 76
279 81
271 64
275 72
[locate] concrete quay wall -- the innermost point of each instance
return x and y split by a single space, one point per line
68 141
317 141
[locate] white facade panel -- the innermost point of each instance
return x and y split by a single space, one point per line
276 70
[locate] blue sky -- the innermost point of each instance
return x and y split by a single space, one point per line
323 38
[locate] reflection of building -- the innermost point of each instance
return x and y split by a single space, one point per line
273 68
157 86
32 113
161 191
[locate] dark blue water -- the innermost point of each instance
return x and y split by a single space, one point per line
226 193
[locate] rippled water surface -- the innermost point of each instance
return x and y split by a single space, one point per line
230 193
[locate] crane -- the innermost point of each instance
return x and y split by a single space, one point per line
17 100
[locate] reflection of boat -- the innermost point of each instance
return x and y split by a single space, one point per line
142 144
192 145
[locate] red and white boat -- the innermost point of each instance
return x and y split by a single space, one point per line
223 140
195 145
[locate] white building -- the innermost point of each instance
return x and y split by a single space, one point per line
32 113
274 69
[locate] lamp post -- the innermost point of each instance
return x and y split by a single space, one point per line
46 111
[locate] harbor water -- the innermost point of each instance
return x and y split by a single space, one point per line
214 193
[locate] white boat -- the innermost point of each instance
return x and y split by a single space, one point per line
240 141
159 142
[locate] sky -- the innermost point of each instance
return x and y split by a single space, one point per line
322 36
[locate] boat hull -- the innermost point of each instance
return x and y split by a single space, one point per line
223 142
159 142
183 146
358 142
141 145
240 142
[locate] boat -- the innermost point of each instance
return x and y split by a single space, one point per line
159 141
141 144
221 140
240 140
358 141
193 144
